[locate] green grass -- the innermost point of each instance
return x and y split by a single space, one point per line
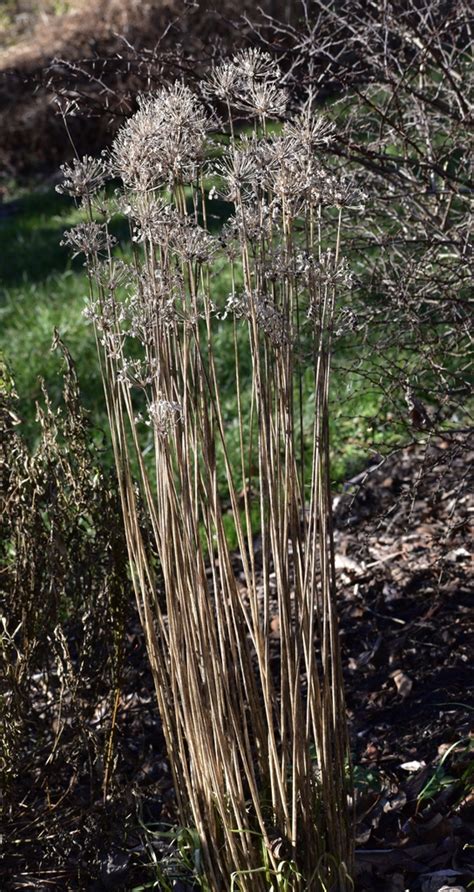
41 289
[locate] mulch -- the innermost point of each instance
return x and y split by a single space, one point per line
403 563
403 541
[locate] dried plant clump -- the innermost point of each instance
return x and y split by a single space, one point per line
65 598
246 663
259 754
163 142
400 80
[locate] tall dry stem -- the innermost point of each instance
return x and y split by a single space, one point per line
245 653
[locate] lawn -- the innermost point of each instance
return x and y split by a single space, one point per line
42 289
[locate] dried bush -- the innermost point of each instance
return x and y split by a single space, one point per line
400 77
65 597
400 84
255 728
253 715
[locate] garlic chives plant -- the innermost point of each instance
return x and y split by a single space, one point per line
254 723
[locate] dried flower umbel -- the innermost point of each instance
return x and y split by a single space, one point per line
249 82
83 177
164 415
309 129
240 737
89 239
163 142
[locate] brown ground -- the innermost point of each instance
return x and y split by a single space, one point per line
95 58
404 541
403 544
86 39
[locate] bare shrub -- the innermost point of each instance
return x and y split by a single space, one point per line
400 77
65 601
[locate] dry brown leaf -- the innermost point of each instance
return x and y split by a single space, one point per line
403 683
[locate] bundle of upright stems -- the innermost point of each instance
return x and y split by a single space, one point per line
255 725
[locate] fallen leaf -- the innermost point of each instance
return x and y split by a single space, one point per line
343 562
413 766
396 802
403 683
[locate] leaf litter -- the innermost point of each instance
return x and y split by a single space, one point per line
406 628
403 545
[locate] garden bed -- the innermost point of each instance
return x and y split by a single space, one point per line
402 536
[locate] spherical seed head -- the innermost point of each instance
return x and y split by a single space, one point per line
88 238
193 243
255 64
309 130
265 100
239 169
250 81
83 177
163 143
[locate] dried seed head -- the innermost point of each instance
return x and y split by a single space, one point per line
253 221
281 265
344 194
250 82
229 240
138 372
309 130
83 177
329 272
270 318
237 305
88 238
153 305
164 415
163 143
153 219
265 100
254 64
292 172
105 315
191 242
112 275
239 170
223 81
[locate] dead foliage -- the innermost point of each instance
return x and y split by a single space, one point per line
65 606
404 534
